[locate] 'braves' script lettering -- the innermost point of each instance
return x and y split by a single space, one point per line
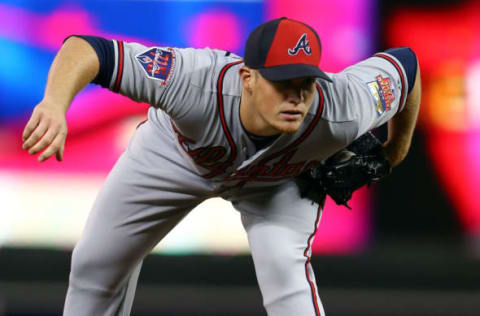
213 159
267 171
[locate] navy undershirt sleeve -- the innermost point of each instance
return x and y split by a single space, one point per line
106 55
408 59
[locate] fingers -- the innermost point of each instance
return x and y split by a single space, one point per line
45 131
35 135
59 154
31 125
56 147
44 141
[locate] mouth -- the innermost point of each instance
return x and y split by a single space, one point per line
291 115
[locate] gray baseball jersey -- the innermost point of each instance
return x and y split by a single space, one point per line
193 147
184 86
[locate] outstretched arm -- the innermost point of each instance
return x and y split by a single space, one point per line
75 65
402 125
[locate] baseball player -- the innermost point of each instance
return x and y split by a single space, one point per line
220 126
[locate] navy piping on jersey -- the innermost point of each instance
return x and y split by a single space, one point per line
119 76
306 133
221 112
403 96
260 142
307 264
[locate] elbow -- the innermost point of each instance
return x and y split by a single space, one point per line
415 93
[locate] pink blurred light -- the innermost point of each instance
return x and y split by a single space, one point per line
16 22
96 107
344 231
473 163
455 157
95 122
438 35
61 23
85 153
215 29
455 154
49 30
344 27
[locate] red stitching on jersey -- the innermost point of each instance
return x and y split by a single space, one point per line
116 87
307 263
306 133
233 152
141 123
402 77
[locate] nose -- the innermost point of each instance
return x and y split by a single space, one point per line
294 95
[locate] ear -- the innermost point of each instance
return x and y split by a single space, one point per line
247 76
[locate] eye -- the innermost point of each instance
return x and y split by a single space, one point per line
311 81
281 85
308 83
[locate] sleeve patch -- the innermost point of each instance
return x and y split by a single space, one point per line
383 94
157 63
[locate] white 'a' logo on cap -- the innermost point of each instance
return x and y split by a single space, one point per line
302 43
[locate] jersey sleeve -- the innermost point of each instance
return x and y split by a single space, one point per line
159 76
105 52
377 87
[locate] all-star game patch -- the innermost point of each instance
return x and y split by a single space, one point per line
158 63
383 94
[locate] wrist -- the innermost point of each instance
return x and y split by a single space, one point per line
54 105
395 152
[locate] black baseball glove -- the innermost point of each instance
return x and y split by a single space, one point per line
361 163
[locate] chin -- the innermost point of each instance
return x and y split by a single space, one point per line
289 128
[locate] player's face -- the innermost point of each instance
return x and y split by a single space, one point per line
281 106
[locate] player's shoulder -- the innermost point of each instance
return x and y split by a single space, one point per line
398 62
207 68
342 96
399 56
334 95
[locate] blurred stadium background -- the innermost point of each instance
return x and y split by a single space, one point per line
411 246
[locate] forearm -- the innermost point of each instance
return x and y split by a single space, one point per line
402 125
75 65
